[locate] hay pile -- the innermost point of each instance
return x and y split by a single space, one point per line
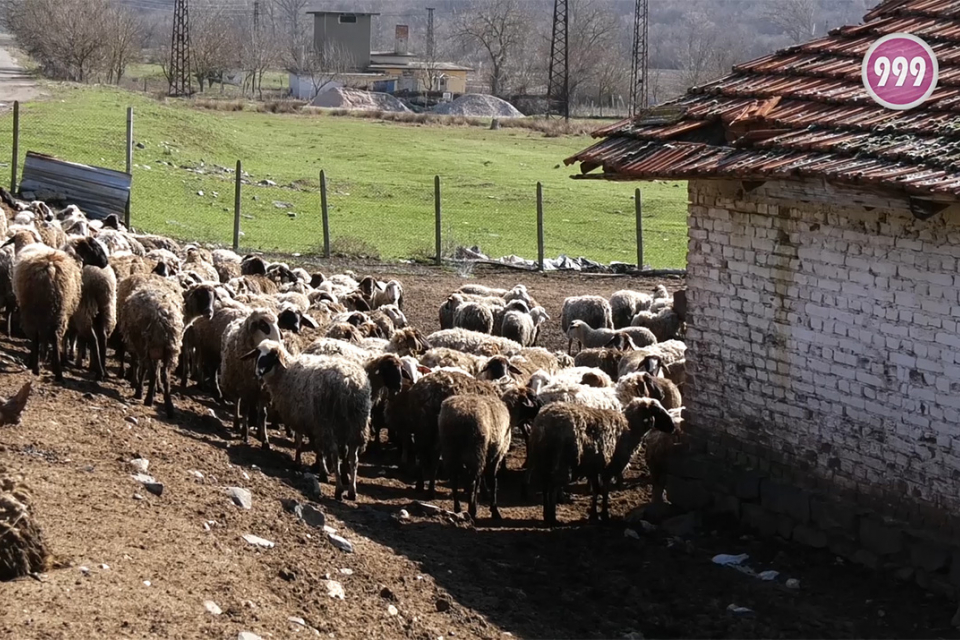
22 549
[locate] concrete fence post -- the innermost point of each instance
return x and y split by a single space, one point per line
236 208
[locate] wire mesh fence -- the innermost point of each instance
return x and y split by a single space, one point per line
379 215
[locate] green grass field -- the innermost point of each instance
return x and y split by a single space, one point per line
380 180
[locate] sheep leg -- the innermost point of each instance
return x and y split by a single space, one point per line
100 333
434 467
260 417
184 370
333 452
152 384
352 462
471 488
35 355
139 373
570 346
165 381
119 352
605 507
595 490
455 485
57 363
238 423
549 503
298 443
96 364
492 486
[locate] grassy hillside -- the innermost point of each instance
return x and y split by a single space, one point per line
380 178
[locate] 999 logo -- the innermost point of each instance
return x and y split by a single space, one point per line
900 71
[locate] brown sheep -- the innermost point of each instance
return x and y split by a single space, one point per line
572 441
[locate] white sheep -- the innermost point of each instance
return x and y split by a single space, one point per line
593 310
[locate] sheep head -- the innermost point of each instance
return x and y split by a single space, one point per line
386 372
643 414
92 252
270 357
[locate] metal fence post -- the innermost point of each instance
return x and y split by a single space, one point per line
236 208
638 205
324 214
437 215
126 212
16 147
540 226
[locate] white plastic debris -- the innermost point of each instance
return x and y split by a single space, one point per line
768 575
728 560
793 583
739 611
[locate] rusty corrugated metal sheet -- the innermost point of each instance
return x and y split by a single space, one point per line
803 112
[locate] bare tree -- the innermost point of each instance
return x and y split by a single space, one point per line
592 43
259 54
499 28
214 43
126 37
797 18
328 65
71 39
706 50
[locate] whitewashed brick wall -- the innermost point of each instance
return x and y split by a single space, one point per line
823 325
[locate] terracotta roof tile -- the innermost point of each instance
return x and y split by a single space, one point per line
804 112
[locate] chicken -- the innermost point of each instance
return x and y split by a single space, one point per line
10 409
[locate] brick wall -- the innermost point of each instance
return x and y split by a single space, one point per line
823 341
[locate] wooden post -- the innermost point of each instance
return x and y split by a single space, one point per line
438 217
126 212
638 205
16 147
324 214
236 208
540 226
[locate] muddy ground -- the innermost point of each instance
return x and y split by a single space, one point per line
151 561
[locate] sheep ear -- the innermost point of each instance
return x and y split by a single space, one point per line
8 242
308 321
250 354
514 369
405 374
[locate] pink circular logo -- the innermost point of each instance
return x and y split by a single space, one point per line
900 71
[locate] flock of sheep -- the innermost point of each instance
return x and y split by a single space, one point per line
333 361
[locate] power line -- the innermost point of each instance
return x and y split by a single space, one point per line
180 51
558 83
639 93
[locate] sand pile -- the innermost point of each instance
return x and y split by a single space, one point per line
478 105
357 100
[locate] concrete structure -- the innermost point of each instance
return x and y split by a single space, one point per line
822 287
349 32
397 70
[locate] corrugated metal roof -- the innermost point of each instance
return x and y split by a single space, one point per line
803 111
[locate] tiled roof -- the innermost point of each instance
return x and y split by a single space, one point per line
803 111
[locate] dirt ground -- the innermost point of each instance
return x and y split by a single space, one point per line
151 562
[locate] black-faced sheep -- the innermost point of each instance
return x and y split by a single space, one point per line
473 342
475 438
328 399
591 338
423 404
625 304
664 323
237 381
48 283
593 310
152 321
570 441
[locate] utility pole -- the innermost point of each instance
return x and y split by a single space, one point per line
256 16
558 84
431 41
639 93
180 51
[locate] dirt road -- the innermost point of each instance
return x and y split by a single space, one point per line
15 83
